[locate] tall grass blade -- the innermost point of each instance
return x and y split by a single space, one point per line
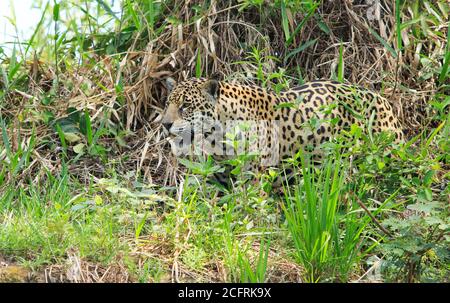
88 124
284 20
398 25
107 8
134 15
36 30
198 65
341 63
300 49
443 76
5 138
302 23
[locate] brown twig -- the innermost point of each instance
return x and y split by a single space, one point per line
387 232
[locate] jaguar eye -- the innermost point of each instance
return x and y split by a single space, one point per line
181 110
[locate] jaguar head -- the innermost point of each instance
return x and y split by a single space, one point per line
190 108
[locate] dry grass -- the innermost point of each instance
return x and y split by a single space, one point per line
218 37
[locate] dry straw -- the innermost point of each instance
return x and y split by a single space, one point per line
218 39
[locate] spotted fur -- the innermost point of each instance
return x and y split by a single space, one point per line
334 105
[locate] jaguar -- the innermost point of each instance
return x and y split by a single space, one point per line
302 118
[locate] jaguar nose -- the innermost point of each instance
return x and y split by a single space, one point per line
167 125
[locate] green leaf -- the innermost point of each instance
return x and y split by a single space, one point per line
133 14
300 49
341 63
67 125
98 200
198 65
236 170
5 137
79 148
302 23
72 137
398 24
284 21
433 220
423 207
86 127
56 12
444 72
428 178
428 194
61 136
322 24
37 28
284 105
107 8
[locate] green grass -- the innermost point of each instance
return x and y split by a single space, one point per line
43 220
324 230
327 242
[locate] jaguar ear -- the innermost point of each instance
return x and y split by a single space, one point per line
211 87
170 84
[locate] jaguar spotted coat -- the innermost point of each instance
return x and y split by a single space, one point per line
306 116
